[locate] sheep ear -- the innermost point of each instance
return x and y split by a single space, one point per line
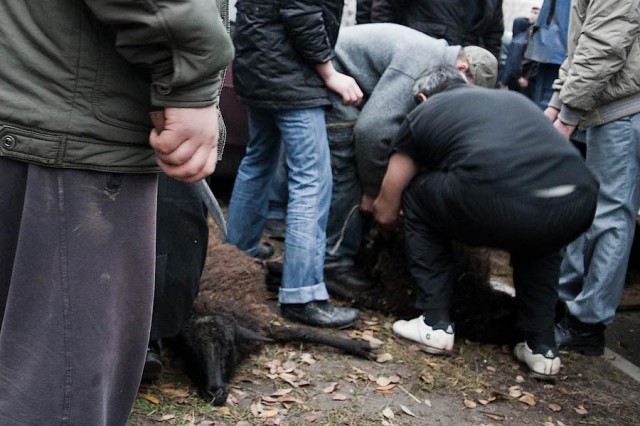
250 335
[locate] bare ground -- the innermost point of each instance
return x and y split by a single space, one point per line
309 385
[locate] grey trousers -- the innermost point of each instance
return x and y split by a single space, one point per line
76 289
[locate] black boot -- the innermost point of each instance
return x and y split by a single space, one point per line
346 277
152 362
320 314
574 335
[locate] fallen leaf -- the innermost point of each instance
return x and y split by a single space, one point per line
174 392
281 392
339 397
580 410
427 378
469 404
407 411
483 401
515 392
427 402
382 381
491 369
395 378
386 357
555 407
519 379
331 388
167 417
527 399
152 399
495 417
388 413
386 388
307 358
272 412
224 411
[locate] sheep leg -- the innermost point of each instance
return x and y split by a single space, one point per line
309 335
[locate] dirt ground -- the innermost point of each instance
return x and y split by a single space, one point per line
480 384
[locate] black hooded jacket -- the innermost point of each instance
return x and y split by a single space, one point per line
459 22
278 43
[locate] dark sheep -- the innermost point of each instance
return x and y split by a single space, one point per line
231 319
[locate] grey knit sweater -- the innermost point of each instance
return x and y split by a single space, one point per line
385 60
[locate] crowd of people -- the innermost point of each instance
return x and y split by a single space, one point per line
378 109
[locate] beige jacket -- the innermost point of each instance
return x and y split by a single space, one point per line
599 81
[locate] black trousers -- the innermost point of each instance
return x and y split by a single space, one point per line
181 249
438 209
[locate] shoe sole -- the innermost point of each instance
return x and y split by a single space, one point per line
334 327
434 351
544 377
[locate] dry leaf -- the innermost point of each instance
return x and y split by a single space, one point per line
167 417
469 404
339 396
495 417
491 369
256 408
281 392
427 378
515 392
386 388
331 388
384 358
382 381
272 412
388 413
407 411
580 410
427 402
152 399
224 411
527 399
174 392
394 379
483 401
519 379
555 407
307 358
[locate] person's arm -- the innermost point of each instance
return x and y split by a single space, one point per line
599 45
306 26
184 47
401 170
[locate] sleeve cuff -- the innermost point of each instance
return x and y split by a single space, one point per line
570 115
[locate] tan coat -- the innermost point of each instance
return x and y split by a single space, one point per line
599 80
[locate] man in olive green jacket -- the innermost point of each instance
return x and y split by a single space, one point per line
78 178
598 89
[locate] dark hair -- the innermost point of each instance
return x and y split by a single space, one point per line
437 79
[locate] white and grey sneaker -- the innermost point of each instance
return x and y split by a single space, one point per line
436 339
543 364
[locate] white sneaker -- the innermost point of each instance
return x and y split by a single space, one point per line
544 366
435 340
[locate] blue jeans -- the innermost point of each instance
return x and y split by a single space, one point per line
594 267
344 229
303 135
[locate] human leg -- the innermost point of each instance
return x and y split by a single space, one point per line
309 185
78 310
613 156
431 264
181 248
345 223
249 200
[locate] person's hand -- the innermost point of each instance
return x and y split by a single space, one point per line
342 84
186 149
551 113
563 128
366 203
523 82
346 87
386 212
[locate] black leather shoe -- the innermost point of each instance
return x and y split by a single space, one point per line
346 277
320 314
264 252
275 228
152 362
587 339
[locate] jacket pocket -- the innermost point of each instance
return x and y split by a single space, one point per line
121 95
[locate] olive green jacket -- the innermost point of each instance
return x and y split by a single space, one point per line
78 78
599 81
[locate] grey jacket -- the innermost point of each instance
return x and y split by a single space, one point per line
78 78
599 81
385 59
